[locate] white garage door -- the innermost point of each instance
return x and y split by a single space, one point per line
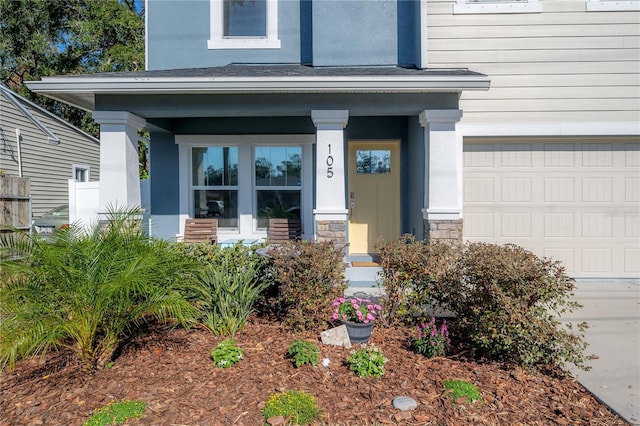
575 201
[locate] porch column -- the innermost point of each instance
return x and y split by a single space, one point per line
442 213
330 214
119 173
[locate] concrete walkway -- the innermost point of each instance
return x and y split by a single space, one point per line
611 308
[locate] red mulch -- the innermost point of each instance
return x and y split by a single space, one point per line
172 372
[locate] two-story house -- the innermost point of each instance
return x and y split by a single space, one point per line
347 114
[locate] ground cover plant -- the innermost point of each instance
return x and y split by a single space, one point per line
462 391
86 290
116 413
367 361
296 407
303 352
226 354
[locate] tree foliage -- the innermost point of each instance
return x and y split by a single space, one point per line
41 38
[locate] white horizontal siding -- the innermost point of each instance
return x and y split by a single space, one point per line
49 166
564 64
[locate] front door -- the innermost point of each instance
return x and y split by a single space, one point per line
374 194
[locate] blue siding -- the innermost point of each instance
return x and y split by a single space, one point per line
415 185
318 32
163 171
355 32
178 31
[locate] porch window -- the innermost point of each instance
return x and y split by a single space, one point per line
215 184
278 182
497 6
244 24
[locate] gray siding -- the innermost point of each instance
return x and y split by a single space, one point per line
48 166
562 65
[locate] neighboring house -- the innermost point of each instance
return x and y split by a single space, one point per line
347 114
38 145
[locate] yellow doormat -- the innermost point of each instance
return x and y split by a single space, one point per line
360 264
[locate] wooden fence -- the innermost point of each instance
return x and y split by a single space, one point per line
15 203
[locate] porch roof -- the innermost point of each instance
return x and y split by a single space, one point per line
81 90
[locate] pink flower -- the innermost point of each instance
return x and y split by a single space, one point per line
335 315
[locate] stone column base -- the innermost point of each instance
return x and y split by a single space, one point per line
443 230
331 230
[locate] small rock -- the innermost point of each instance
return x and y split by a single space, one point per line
404 403
337 336
275 421
325 362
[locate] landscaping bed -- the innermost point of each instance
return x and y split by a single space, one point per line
171 370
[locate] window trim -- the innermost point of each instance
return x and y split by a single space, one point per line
85 167
497 6
218 41
612 5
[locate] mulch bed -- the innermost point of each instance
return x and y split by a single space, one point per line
171 371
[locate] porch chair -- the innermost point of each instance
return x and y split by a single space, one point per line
283 230
201 231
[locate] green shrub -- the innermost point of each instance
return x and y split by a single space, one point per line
86 288
462 389
409 268
231 284
368 361
507 300
116 413
303 352
298 407
226 354
307 277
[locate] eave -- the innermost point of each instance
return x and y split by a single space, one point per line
81 91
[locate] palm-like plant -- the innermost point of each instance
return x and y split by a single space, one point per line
86 288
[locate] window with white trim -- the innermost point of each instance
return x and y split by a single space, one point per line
244 24
278 182
612 5
497 6
81 172
214 183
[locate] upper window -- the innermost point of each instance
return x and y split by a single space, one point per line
497 6
612 5
244 24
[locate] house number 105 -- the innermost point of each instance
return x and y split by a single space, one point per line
329 164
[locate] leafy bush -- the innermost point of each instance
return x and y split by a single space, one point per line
409 268
303 352
86 288
368 361
116 413
307 277
507 301
226 354
462 389
431 341
231 285
298 406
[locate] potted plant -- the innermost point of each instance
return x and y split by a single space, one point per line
358 315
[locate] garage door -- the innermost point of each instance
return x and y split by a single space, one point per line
575 201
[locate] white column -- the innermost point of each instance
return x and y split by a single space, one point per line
443 162
119 174
330 178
